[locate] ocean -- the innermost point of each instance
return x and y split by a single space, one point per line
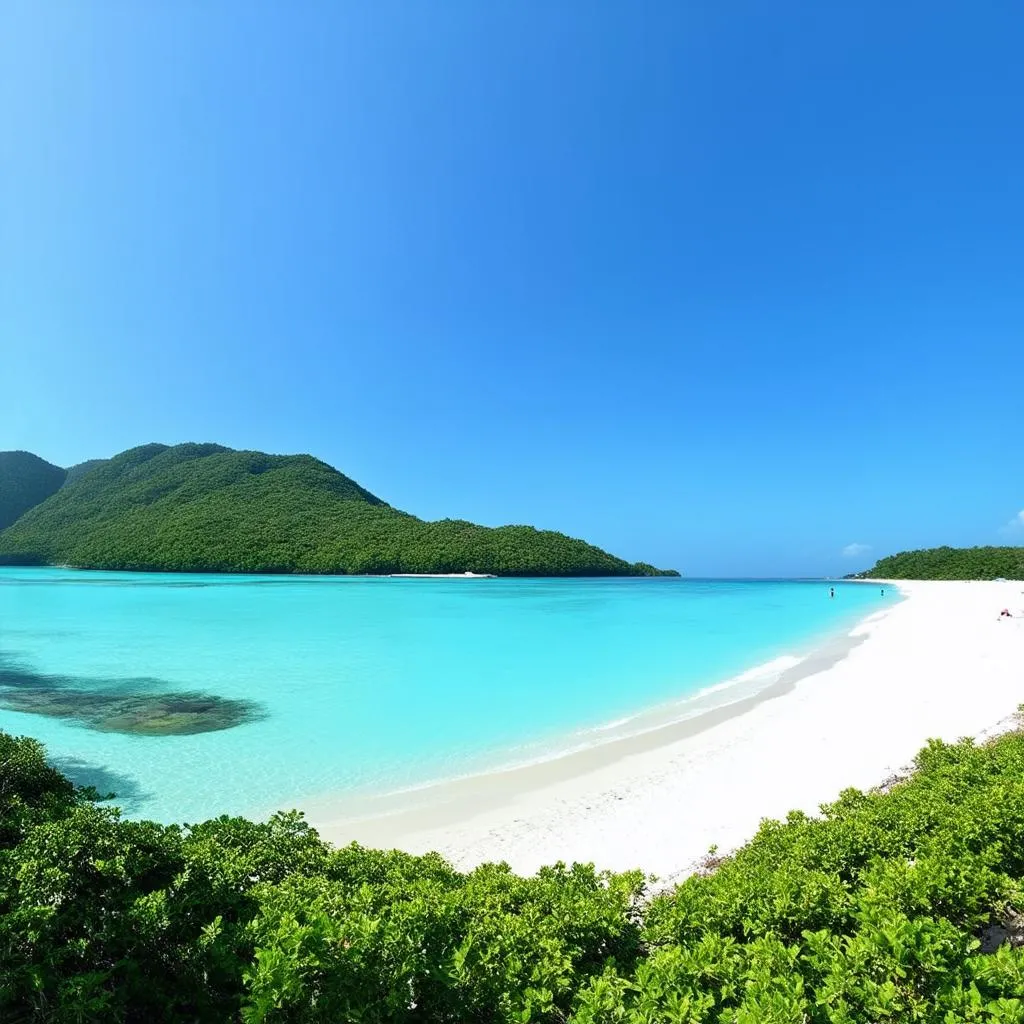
363 685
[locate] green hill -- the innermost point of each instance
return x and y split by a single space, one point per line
25 481
206 508
987 563
74 472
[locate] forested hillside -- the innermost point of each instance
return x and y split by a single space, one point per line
208 508
896 907
74 472
983 563
25 481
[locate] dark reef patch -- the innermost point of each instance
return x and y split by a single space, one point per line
140 707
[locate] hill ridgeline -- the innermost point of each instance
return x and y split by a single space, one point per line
25 481
206 508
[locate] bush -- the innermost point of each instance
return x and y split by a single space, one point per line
874 911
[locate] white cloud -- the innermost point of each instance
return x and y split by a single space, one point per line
855 550
1015 524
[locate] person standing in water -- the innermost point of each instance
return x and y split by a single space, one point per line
831 591
883 591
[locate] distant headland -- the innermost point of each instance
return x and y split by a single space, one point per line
946 563
207 508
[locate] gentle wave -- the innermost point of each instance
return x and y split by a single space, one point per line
689 707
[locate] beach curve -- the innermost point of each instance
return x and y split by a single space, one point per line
939 664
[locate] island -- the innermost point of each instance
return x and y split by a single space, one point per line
947 563
208 508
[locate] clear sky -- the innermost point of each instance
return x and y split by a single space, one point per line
724 286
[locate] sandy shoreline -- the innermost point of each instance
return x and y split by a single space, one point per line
940 663
440 576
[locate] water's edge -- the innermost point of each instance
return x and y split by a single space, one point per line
382 817
374 688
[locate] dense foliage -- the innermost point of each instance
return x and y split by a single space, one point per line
25 481
207 508
887 908
74 472
946 563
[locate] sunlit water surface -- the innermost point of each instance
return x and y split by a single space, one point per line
373 684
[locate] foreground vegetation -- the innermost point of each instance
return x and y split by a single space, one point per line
205 508
987 563
898 906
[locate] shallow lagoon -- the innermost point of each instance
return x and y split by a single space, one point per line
313 685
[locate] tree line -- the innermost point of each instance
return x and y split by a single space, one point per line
946 563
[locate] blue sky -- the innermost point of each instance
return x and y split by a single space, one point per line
724 286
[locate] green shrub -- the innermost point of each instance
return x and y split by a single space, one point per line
873 911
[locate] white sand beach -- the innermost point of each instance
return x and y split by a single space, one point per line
440 576
941 663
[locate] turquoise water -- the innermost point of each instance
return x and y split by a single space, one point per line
372 684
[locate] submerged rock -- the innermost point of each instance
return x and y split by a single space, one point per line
179 715
142 707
